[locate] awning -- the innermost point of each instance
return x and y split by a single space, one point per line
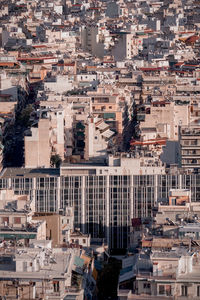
14 236
108 133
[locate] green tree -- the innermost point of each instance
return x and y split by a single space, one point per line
24 117
56 160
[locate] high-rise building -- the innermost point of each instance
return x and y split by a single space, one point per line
104 198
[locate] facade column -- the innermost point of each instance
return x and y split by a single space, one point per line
83 220
156 189
107 199
9 183
33 195
180 181
58 192
131 197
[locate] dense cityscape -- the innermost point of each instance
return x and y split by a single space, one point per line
99 149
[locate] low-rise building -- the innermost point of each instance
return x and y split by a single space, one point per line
32 273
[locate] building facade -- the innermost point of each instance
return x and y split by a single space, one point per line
104 204
190 147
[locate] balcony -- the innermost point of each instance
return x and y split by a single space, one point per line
190 132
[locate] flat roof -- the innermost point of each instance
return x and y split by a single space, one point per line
166 255
29 173
55 270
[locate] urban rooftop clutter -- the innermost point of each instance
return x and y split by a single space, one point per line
99 149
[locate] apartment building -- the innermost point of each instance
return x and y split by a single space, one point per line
46 137
16 221
106 107
60 228
168 252
164 120
178 206
170 270
32 273
89 40
190 147
8 95
97 136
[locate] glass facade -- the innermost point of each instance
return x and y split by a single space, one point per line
103 204
71 195
119 214
95 201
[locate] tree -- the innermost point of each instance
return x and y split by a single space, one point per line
56 160
24 117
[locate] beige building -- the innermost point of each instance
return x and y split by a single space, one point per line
106 107
179 208
190 147
16 218
37 148
97 136
164 121
58 227
175 276
40 273
45 138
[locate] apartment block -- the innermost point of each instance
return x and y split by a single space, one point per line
190 147
46 137
97 136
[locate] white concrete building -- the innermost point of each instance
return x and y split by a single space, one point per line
97 135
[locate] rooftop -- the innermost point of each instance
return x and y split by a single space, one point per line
56 269
29 173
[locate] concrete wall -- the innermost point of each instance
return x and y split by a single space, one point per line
62 84
170 115
171 153
37 148
43 145
53 228
89 41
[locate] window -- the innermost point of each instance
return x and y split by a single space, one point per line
25 266
5 220
193 142
146 285
161 289
84 241
198 291
56 286
17 220
184 290
168 290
